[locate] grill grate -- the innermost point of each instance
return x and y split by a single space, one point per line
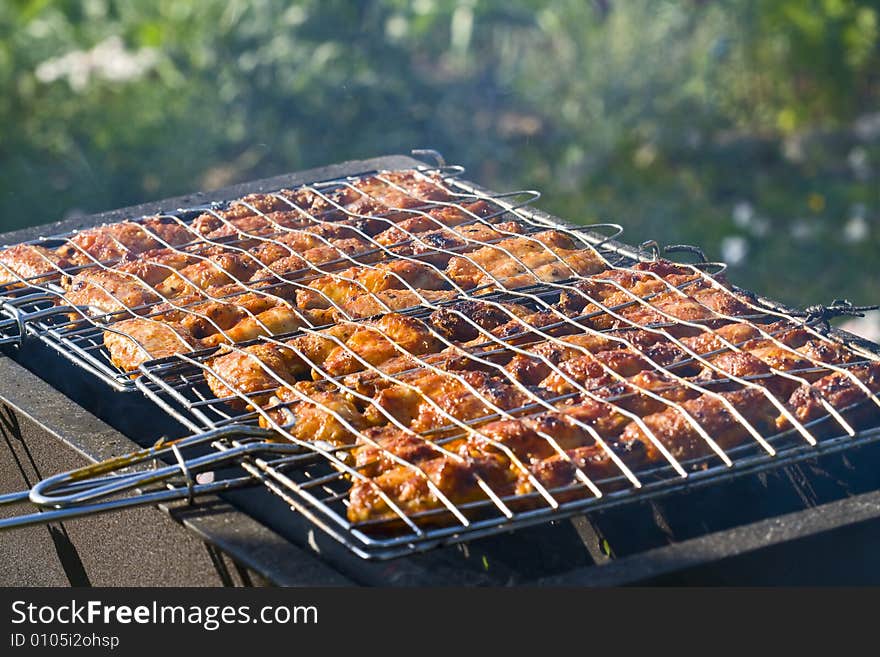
613 300
39 306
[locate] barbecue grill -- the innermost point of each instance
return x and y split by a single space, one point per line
685 505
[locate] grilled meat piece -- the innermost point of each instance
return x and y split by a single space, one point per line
436 222
842 391
135 341
374 303
520 261
342 348
31 262
215 271
349 283
111 242
105 291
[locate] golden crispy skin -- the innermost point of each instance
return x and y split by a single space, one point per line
523 436
248 206
155 266
107 291
587 367
338 250
355 281
274 321
111 242
368 305
734 333
31 262
683 441
402 189
549 255
205 317
334 349
529 438
432 399
254 371
135 341
245 374
325 417
409 489
462 322
841 392
639 283
375 342
216 271
280 268
438 246
437 222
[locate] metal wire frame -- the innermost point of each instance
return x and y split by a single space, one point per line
80 339
352 536
277 474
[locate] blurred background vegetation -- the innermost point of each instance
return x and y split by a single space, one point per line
750 127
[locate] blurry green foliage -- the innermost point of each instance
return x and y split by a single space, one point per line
752 124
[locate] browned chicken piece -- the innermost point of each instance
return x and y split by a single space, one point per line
825 351
326 417
156 265
426 400
408 488
434 222
335 349
358 227
107 291
714 340
559 471
215 271
549 256
272 322
657 310
246 207
355 281
32 263
577 302
458 322
368 305
639 281
458 480
204 317
132 342
553 470
433 399
375 342
381 448
340 251
594 367
529 438
254 372
285 268
126 238
302 350
129 285
672 429
746 365
433 246
403 189
603 417
841 391
536 367
377 447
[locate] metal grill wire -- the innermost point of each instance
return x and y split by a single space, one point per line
79 337
162 381
540 404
